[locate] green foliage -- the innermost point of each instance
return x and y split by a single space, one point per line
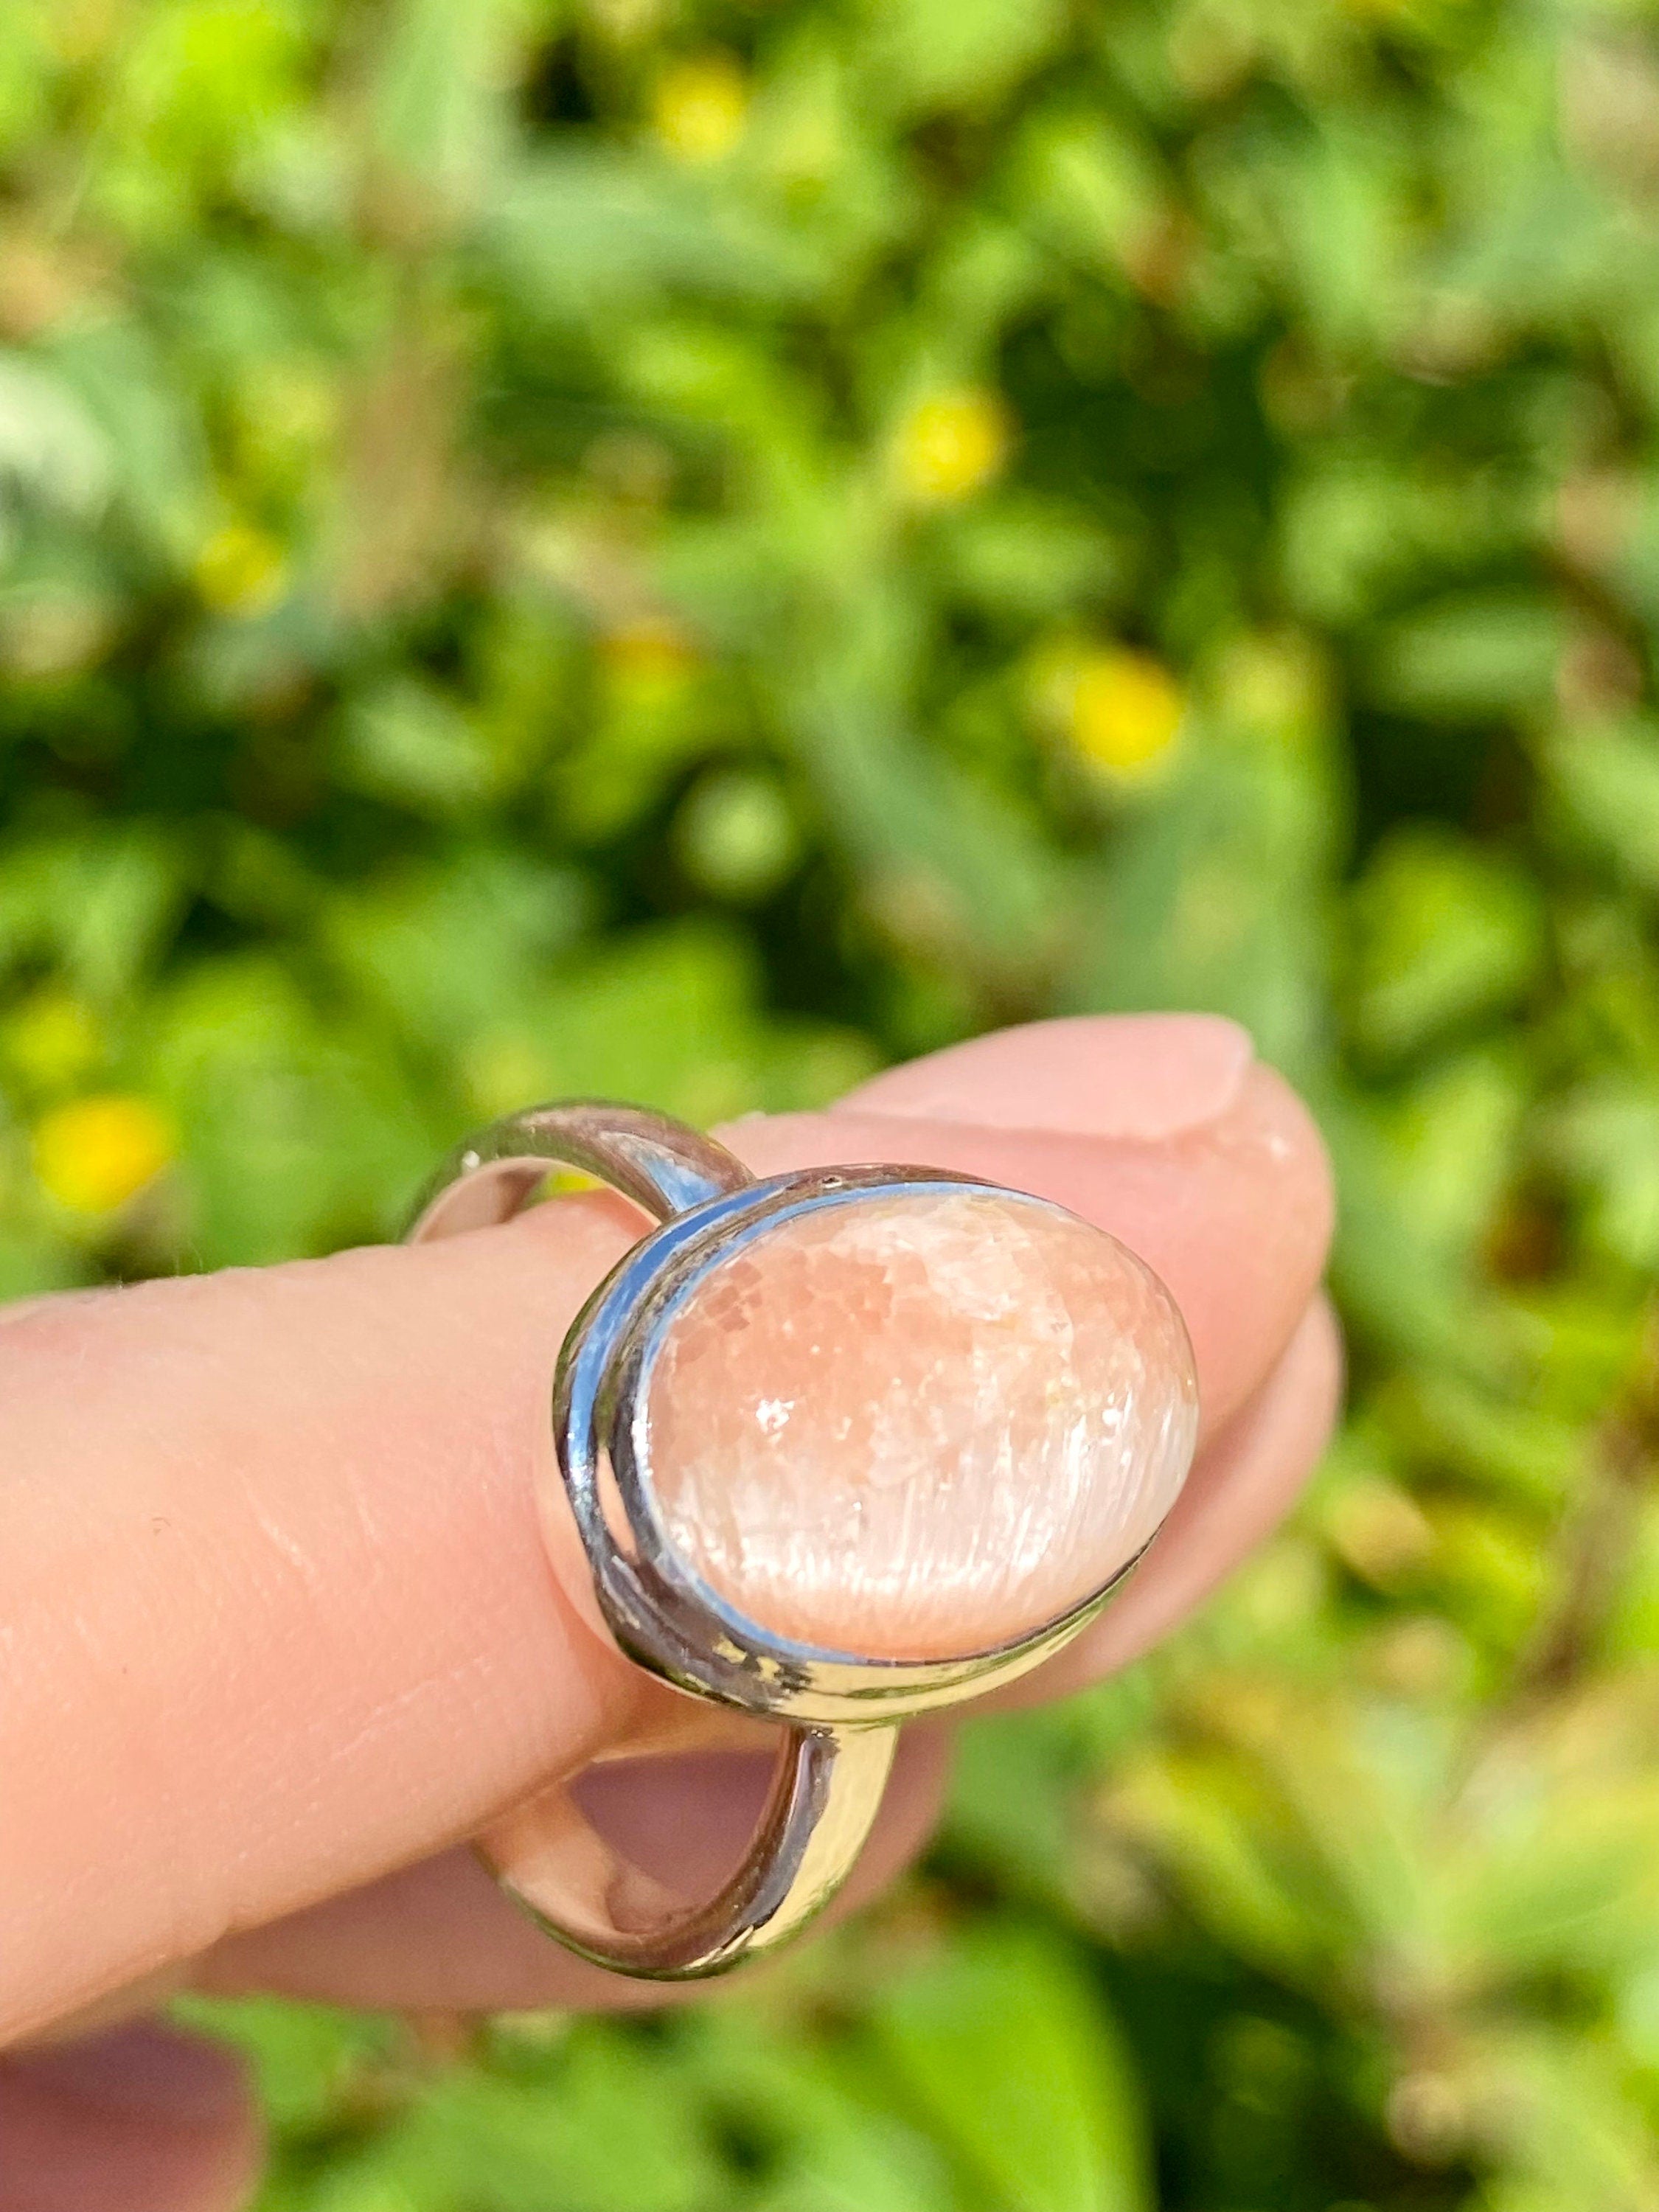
1004 2048
689 547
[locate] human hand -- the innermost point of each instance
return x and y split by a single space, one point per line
280 1630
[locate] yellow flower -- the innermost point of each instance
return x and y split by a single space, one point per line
647 662
1122 710
952 444
240 570
700 106
52 1040
96 1153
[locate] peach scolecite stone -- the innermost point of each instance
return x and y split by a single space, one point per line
918 1424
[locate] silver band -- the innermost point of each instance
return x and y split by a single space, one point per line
839 1711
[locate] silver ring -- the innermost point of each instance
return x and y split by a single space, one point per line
839 1709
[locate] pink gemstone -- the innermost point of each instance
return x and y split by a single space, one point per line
919 1425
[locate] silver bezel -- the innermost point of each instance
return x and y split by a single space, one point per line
664 1614
839 1711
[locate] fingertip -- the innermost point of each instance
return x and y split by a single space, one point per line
1145 1078
1233 1212
1241 1489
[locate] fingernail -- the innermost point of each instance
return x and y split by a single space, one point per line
1141 1077
143 2068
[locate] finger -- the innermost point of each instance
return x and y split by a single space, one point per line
441 1937
273 1567
1239 1491
140 2120
1238 1168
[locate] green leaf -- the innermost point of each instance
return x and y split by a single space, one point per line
1448 933
1017 557
926 54
1213 898
1088 187
613 2128
450 950
1469 657
297 1137
668 1018
405 742
825 2142
584 229
1607 1137
439 116
948 862
145 412
1013 2056
1607 780
50 445
310 2062
102 906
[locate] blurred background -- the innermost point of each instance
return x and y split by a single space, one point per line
687 549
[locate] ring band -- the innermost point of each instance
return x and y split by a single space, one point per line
838 1709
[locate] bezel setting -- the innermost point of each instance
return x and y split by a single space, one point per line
665 1615
838 1711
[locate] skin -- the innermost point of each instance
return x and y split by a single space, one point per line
279 1633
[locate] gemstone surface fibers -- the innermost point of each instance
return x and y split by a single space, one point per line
917 1426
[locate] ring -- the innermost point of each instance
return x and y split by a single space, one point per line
814 1431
